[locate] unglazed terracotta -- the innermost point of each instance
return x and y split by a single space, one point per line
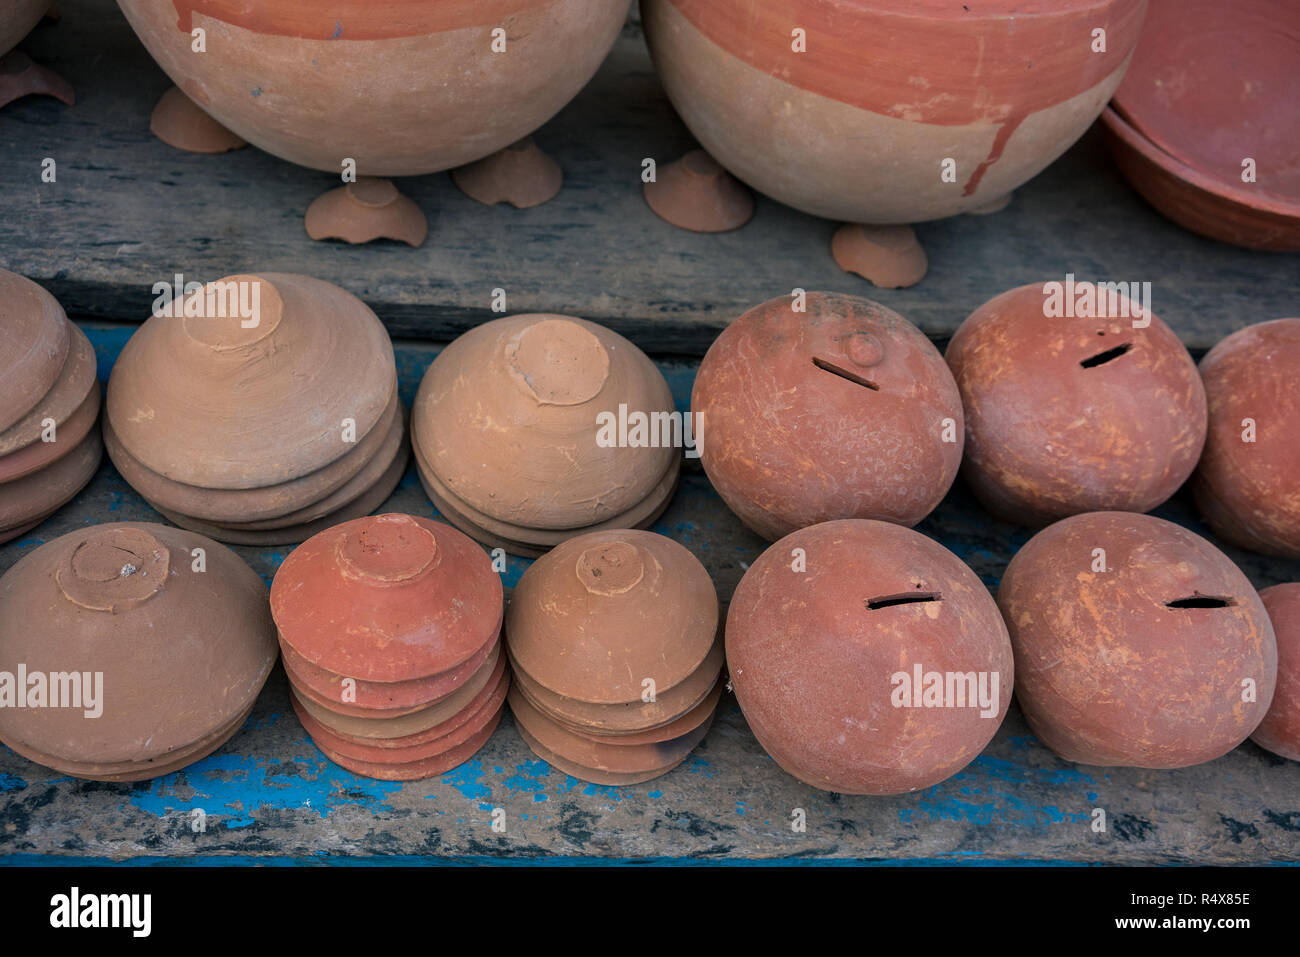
388 598
521 175
1246 482
178 121
889 256
201 645
857 126
17 18
67 436
696 193
595 776
841 411
815 649
418 770
1164 659
37 338
21 76
68 393
364 211
35 496
1279 732
602 614
1182 137
1067 415
384 85
204 400
506 421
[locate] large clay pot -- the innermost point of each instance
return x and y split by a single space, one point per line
858 126
402 87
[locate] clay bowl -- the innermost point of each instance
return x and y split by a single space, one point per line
842 411
68 434
388 598
506 420
68 394
1245 484
202 642
35 496
1000 87
823 661
600 615
384 85
418 770
582 752
37 338
440 712
632 717
273 502
1067 415
594 775
1143 664
1180 137
204 401
17 18
1279 732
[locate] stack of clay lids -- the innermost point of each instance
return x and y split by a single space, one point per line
508 437
135 649
49 406
615 646
390 627
263 411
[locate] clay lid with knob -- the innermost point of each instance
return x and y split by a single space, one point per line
507 419
34 347
387 598
259 380
177 624
601 614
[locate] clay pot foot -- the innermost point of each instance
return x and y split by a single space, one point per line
696 193
521 175
888 256
21 76
995 205
179 122
364 211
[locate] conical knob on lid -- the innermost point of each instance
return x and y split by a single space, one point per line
387 598
260 379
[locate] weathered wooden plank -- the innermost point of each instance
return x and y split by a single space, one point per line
269 792
128 211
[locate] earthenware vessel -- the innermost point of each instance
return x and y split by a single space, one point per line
35 346
696 193
366 210
841 410
1279 732
1246 480
521 175
1069 413
68 393
178 121
19 74
201 645
1137 642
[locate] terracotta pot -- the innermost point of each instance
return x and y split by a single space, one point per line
1001 88
595 776
1067 415
68 393
67 436
205 401
1182 138
384 85
600 615
37 495
1245 484
1164 660
825 661
201 644
506 420
1279 732
417 770
842 411
36 343
683 724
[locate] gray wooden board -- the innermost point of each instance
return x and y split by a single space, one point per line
128 211
270 793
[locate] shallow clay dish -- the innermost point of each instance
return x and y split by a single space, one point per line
842 411
201 642
204 401
1067 415
37 495
595 776
815 657
679 726
417 770
1181 135
601 614
66 396
327 78
1245 484
506 419
1144 664
1279 732
34 348
67 436
855 125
